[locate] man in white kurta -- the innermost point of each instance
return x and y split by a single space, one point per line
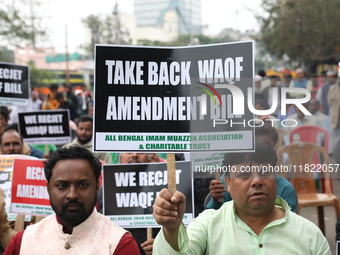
72 182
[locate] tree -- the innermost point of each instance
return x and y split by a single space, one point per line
184 40
6 55
106 30
14 27
306 31
38 76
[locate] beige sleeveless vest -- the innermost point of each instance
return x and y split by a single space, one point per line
97 235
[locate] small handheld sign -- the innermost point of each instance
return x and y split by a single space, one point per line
6 176
14 84
29 192
43 127
129 191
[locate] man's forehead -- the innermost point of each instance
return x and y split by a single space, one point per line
62 166
249 166
251 169
85 123
249 162
71 180
10 136
62 176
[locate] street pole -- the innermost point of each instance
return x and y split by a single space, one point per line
66 58
33 25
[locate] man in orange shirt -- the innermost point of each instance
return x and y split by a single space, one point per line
50 103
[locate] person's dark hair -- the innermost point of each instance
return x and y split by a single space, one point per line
67 86
262 73
58 95
85 118
12 126
266 130
53 87
262 103
4 112
263 154
288 76
73 152
314 99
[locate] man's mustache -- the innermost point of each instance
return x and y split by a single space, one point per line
72 202
134 160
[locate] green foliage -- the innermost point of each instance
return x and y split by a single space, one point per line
37 76
14 28
184 40
306 30
109 30
105 30
6 55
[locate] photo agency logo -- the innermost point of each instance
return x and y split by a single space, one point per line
227 85
227 105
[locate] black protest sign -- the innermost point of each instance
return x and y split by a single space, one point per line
173 99
42 127
14 84
129 191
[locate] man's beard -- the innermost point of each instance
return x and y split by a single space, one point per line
75 217
84 141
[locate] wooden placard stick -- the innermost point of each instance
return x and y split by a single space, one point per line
19 222
47 153
170 158
38 218
149 233
218 177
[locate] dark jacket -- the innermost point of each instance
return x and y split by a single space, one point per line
71 107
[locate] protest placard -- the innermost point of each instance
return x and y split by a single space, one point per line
129 192
43 127
14 84
207 162
173 99
29 192
6 175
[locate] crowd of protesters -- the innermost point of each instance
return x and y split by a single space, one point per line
324 103
324 107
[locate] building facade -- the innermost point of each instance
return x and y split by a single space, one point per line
156 13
